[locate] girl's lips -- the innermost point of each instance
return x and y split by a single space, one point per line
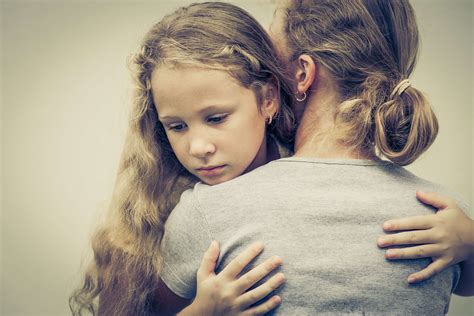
211 171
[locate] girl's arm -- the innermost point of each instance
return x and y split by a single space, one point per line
447 237
226 293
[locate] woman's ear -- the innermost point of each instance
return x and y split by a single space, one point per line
305 73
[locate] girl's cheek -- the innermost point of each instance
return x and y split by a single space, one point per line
179 148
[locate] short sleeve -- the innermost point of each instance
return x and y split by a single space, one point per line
187 237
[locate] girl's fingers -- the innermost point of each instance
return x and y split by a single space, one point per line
409 223
257 273
265 307
423 251
434 268
209 261
242 260
438 201
414 237
419 222
255 295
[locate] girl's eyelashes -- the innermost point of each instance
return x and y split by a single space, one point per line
178 127
214 119
217 119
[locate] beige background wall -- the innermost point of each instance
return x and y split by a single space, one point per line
65 89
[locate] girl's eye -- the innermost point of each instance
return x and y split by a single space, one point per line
217 118
177 127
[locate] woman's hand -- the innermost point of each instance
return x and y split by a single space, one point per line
225 293
447 236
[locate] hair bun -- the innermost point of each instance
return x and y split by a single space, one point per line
404 127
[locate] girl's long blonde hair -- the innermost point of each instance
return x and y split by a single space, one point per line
150 179
369 47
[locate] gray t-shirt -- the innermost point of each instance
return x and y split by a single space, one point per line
323 217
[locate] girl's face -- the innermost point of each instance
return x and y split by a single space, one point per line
212 122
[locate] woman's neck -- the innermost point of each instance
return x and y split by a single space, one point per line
316 137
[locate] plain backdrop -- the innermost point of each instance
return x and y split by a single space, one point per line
65 89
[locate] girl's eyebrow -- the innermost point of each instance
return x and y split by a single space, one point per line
212 108
164 119
203 111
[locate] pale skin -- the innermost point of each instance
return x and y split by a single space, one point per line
226 293
447 237
212 122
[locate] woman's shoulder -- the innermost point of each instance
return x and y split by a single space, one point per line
413 182
187 215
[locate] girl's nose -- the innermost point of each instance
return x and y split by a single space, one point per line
201 147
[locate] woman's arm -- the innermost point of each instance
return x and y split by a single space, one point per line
226 293
447 237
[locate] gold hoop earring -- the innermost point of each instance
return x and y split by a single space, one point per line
302 98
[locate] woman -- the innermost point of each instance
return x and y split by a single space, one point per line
447 237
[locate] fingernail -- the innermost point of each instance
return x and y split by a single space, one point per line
387 225
277 260
258 246
276 299
411 279
390 254
382 241
280 277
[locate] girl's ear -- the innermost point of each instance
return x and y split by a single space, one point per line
271 99
305 73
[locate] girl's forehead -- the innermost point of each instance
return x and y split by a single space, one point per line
191 85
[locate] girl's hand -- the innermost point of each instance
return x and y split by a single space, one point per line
225 293
447 236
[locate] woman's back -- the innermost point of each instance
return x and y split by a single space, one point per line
322 216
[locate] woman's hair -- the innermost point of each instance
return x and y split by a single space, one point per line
369 47
150 180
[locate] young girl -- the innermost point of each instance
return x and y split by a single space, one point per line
210 104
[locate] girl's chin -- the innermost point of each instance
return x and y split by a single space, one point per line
216 180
